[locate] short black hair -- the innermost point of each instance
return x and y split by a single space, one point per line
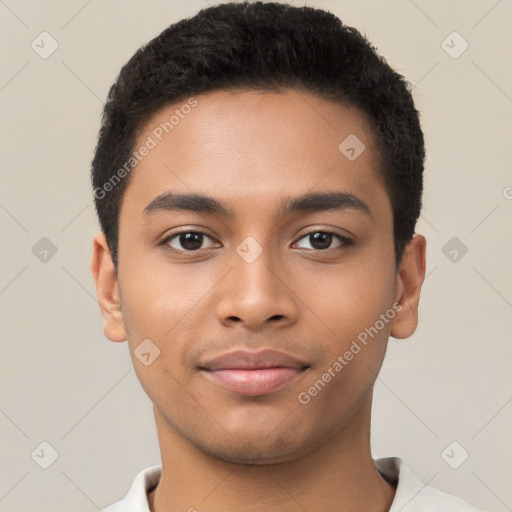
262 46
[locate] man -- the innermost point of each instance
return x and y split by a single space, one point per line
258 178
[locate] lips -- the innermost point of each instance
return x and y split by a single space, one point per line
253 373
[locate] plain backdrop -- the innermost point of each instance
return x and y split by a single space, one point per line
63 383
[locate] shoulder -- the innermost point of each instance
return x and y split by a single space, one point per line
136 500
413 495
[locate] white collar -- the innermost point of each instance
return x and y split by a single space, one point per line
411 495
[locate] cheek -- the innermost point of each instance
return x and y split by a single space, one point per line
358 311
164 303
153 292
156 306
350 299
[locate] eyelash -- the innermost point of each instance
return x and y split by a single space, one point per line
345 241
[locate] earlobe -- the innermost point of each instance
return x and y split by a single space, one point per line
410 278
107 289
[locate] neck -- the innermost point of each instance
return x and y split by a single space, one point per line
339 474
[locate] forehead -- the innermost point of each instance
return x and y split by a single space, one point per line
252 146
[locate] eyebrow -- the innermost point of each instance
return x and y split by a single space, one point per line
306 203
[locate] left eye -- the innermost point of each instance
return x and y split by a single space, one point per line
321 240
189 240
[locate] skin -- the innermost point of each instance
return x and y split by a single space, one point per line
221 450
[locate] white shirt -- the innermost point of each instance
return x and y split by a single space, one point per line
411 495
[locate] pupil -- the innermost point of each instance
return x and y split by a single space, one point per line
324 239
187 241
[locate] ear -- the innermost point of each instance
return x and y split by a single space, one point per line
107 289
410 277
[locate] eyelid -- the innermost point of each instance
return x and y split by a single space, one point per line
167 238
345 241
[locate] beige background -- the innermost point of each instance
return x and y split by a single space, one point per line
62 382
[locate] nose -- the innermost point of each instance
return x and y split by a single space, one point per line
257 294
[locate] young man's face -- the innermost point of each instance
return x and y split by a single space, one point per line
260 278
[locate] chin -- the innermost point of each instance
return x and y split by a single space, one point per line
251 449
252 455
